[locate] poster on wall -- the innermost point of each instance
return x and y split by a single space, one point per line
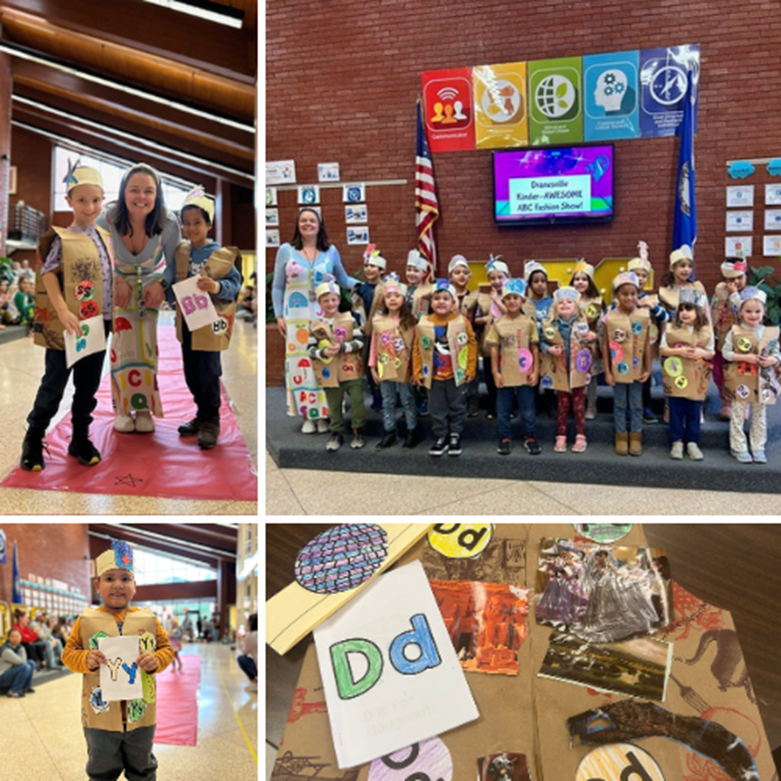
308 194
280 172
738 221
773 194
663 77
501 106
610 96
358 234
448 109
555 101
356 213
771 246
773 219
328 172
740 195
737 246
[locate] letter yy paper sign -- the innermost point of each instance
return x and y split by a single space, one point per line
390 674
120 678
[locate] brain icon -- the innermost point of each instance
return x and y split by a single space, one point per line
611 86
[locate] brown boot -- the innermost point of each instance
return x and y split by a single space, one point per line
636 443
622 444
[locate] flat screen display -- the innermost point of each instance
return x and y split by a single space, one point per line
553 185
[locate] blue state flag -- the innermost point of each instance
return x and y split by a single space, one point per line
685 218
3 557
16 591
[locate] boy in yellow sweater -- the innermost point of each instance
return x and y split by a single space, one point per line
444 360
119 734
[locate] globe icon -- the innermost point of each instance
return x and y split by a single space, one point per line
555 96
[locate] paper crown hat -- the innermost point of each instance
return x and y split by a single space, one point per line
565 291
684 252
637 263
514 287
82 174
530 267
626 278
118 556
581 267
329 285
393 285
455 262
197 197
732 269
495 263
443 285
372 257
690 295
752 293
414 258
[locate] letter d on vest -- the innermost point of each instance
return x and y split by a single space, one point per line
346 684
421 637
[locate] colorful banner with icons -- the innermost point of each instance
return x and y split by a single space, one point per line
448 109
501 115
663 75
610 99
617 95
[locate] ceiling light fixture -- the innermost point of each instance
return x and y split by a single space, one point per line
27 54
204 9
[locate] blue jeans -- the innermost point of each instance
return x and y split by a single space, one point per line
504 406
684 419
247 663
628 394
18 678
388 389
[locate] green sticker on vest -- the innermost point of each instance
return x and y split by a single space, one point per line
93 641
147 643
96 700
148 686
136 710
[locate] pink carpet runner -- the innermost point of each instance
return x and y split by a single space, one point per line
177 702
159 464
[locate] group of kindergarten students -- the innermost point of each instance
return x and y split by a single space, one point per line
428 335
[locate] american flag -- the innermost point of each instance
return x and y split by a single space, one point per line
426 203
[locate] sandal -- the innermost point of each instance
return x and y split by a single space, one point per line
561 445
580 444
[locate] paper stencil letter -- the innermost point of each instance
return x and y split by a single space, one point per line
119 679
420 637
346 684
113 667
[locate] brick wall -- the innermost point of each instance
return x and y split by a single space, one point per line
344 77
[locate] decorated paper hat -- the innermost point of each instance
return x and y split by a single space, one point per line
752 293
393 285
581 267
514 287
733 268
639 263
684 252
82 174
118 556
441 285
690 295
372 257
455 262
565 291
197 197
414 258
530 267
495 263
328 286
625 278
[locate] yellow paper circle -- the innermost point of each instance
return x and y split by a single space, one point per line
460 540
673 366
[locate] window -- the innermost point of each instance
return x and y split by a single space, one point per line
174 190
151 568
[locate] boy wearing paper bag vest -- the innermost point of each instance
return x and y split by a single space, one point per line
73 283
217 276
119 734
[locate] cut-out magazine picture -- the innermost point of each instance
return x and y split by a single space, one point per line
638 667
603 594
486 623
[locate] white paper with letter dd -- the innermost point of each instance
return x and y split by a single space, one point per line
120 679
389 670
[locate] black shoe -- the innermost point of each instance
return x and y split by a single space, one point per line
439 447
454 446
84 450
30 690
388 439
357 441
190 429
473 409
490 415
335 442
505 447
532 445
32 452
649 417
208 433
413 437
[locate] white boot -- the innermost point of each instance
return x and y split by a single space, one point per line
124 424
144 423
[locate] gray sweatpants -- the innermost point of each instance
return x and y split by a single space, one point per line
447 407
112 752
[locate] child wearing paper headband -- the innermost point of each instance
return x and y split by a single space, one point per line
119 732
444 360
199 256
592 307
393 327
419 287
568 347
724 306
679 276
73 284
687 348
459 275
751 375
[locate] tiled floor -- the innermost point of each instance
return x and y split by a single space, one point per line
21 368
309 492
46 726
